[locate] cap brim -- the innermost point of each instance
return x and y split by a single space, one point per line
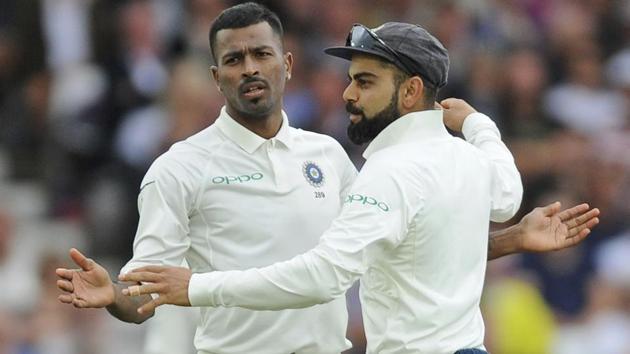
348 52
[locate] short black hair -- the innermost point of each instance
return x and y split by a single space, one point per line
430 93
243 15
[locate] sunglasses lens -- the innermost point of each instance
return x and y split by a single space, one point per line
360 38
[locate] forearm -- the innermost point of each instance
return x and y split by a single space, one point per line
125 308
358 237
301 282
505 241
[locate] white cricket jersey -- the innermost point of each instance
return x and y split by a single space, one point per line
414 228
228 199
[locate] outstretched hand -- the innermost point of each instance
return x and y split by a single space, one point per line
169 283
87 287
548 228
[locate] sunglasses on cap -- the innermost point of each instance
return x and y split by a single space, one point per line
364 38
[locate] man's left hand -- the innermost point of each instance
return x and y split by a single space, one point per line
169 283
549 228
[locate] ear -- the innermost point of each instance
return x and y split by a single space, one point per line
288 65
412 92
214 72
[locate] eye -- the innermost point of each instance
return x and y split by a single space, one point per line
363 83
262 54
230 61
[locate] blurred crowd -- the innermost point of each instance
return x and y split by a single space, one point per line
91 91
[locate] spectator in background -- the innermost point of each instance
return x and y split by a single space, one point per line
606 321
24 83
618 74
576 102
194 33
512 304
7 331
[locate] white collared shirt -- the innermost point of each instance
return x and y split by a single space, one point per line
228 199
414 228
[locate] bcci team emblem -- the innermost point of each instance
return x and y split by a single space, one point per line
313 174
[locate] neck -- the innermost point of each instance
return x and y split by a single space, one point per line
266 127
418 107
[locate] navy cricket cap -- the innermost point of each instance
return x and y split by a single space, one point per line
409 47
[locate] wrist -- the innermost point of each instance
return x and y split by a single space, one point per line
518 231
506 241
112 299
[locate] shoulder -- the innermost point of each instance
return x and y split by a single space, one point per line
310 136
325 142
407 162
184 163
384 165
204 141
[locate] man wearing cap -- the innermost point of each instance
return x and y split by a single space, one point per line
414 226
403 195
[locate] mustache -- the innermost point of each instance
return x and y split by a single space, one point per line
353 110
251 79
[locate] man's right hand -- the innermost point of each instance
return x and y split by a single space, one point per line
89 286
455 112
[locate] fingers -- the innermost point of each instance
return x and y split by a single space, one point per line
139 277
587 216
572 212
448 102
574 231
581 219
64 273
65 285
150 268
586 225
65 298
133 290
145 289
82 261
151 305
455 102
436 105
591 214
577 238
80 304
551 209
70 299
592 222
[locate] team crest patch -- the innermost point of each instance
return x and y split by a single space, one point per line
313 174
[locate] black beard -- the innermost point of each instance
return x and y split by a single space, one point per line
254 110
256 113
368 128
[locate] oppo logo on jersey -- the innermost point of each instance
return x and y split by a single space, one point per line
361 199
237 179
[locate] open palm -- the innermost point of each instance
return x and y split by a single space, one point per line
548 229
89 286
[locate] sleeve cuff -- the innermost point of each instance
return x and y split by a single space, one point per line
132 264
204 288
475 122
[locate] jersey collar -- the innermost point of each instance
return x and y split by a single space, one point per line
247 139
414 126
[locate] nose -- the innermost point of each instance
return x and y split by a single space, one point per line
250 67
350 94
